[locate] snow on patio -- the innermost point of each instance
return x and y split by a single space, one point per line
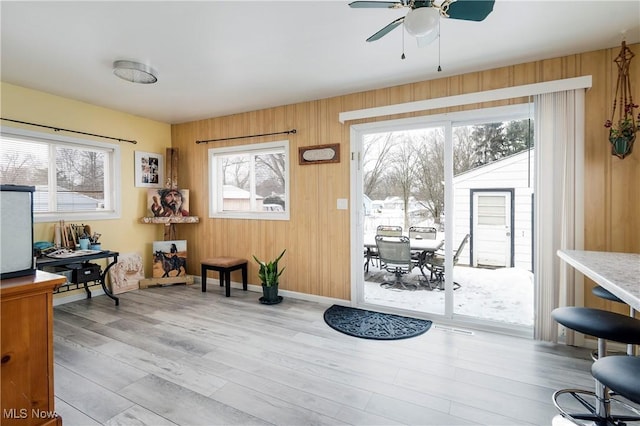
504 295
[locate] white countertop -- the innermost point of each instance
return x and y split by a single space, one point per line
617 272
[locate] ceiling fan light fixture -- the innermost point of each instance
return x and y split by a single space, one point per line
422 21
135 72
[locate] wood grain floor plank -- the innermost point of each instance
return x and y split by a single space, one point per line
93 365
270 408
92 399
72 416
137 416
184 407
174 371
175 355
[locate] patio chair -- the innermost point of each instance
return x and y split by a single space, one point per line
426 232
389 230
371 254
435 264
395 255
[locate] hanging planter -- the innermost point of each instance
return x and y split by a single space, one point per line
623 128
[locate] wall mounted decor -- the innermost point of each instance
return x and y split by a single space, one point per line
623 128
149 169
319 154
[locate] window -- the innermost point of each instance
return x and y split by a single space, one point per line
250 181
75 179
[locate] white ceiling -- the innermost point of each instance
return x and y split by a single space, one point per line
220 58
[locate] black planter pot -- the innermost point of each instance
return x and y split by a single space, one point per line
270 295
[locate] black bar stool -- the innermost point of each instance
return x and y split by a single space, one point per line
603 293
621 374
605 326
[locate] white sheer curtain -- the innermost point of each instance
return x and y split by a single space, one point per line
559 193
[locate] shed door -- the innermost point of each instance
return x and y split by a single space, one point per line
492 228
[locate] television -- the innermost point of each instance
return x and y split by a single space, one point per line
16 231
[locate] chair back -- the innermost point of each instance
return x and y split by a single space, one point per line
389 230
460 248
425 232
394 251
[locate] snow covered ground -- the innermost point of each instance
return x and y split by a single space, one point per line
504 295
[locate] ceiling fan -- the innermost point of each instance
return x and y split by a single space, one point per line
422 19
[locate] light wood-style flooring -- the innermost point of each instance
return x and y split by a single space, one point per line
175 355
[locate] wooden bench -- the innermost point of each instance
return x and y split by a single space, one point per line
224 265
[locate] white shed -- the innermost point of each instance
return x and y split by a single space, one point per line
494 205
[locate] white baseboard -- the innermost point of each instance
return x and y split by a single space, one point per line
292 294
211 282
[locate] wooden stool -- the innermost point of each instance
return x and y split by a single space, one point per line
224 265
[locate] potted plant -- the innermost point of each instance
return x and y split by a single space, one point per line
623 134
269 275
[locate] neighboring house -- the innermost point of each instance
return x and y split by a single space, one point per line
494 204
67 201
393 203
366 204
377 205
238 199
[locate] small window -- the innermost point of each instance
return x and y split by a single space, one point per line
250 181
74 179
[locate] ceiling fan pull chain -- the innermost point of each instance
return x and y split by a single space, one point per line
439 35
402 57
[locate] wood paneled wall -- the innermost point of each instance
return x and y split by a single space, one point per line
317 237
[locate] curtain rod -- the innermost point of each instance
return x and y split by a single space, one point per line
58 129
250 136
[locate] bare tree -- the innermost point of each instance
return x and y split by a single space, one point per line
375 155
463 149
402 171
17 168
430 171
235 171
270 169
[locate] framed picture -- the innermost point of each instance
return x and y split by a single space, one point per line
319 154
169 258
149 169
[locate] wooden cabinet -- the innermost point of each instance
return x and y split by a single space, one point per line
26 345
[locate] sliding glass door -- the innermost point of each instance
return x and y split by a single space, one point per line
469 177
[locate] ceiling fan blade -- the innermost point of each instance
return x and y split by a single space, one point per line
469 10
376 4
386 30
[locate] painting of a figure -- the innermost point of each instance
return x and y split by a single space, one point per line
169 258
167 202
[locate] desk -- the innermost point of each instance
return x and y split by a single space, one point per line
617 272
104 254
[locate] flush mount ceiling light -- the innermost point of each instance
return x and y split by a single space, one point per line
135 72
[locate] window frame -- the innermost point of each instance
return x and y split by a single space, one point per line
215 184
112 167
